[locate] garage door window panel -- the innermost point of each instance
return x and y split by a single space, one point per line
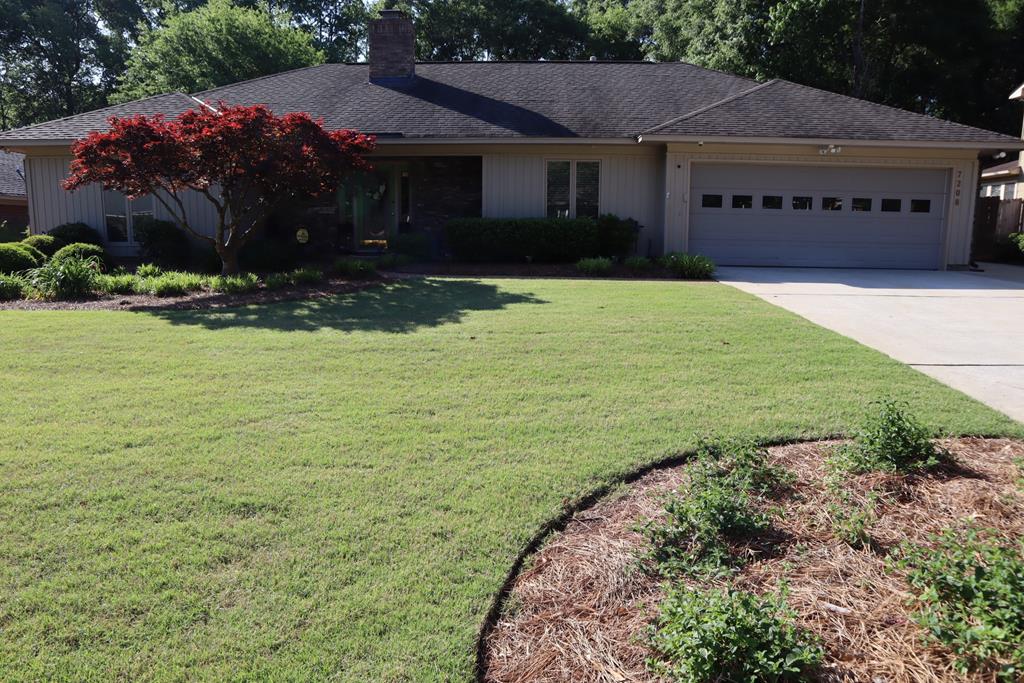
743 201
771 201
831 203
860 204
803 203
920 206
892 205
711 201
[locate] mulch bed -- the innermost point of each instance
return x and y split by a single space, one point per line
195 301
580 611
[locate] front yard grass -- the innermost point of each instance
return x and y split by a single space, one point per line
336 488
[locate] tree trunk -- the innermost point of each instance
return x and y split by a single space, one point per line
229 261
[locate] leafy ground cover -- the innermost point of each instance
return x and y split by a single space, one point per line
336 488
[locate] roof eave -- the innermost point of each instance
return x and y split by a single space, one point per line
847 142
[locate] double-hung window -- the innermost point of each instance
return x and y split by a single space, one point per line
123 217
573 189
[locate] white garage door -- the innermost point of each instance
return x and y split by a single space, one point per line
825 216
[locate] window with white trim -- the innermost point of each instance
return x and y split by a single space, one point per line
122 216
573 189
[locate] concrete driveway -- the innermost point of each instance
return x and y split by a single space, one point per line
964 329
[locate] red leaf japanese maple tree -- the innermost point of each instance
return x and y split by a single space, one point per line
245 160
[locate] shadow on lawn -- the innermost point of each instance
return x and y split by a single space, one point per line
402 306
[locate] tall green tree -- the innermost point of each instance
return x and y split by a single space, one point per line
216 44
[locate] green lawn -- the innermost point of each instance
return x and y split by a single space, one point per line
336 488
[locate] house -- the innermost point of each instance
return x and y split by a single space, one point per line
13 200
1004 180
746 172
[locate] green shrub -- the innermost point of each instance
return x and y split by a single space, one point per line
171 283
70 277
47 244
729 635
119 283
617 235
416 245
968 593
37 256
72 233
9 233
594 266
235 284
559 240
82 250
148 270
276 281
11 287
689 266
890 440
851 519
14 259
638 264
715 506
355 269
306 276
163 243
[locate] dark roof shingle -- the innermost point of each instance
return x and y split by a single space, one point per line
12 182
506 100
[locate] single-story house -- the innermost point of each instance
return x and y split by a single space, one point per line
1002 180
13 198
746 172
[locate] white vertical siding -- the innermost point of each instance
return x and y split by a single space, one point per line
676 203
960 226
50 204
202 215
631 187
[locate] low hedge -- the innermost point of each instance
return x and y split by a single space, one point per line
550 240
72 233
11 287
83 250
37 256
14 258
47 244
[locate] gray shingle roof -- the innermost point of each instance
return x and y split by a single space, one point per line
506 100
12 182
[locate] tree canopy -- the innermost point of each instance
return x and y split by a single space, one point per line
216 44
953 59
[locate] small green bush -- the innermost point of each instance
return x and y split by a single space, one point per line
639 264
235 284
119 283
852 519
715 506
616 236
81 250
163 243
306 276
47 244
689 266
72 233
70 277
729 635
594 266
355 269
148 270
37 256
392 260
969 592
276 281
171 283
12 287
891 440
14 259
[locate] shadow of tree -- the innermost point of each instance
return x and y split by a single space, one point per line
401 307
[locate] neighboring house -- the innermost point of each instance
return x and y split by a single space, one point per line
13 200
770 173
1004 180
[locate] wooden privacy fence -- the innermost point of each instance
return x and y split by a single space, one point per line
994 219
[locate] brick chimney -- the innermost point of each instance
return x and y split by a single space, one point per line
392 47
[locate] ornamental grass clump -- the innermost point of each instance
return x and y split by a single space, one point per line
688 266
355 269
118 283
235 284
71 277
730 635
594 266
890 440
969 596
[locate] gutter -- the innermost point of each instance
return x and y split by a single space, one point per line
1009 143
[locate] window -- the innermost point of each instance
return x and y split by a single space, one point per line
123 217
1009 190
711 201
860 204
771 201
892 205
573 189
742 201
115 216
802 204
920 205
831 203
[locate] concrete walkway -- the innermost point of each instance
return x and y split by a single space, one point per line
964 329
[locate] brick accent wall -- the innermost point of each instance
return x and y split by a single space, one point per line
392 46
443 188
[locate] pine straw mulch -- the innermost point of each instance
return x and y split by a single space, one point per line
581 609
195 301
